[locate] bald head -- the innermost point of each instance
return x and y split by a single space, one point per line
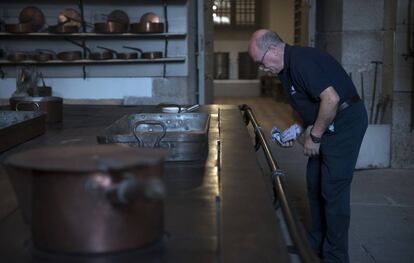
266 48
262 39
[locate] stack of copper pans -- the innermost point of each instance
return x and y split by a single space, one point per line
31 19
149 23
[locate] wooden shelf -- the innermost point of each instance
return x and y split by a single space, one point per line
92 35
88 61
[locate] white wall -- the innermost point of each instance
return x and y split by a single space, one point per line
90 88
233 47
277 15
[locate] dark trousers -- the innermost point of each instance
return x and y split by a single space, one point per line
329 177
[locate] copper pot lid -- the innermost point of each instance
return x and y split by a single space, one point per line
86 158
33 16
69 17
149 17
118 16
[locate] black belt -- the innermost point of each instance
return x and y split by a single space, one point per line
349 102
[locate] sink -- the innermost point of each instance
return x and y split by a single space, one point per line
184 134
19 126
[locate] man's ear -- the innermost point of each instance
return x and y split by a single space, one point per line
272 49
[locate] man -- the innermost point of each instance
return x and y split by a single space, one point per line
326 99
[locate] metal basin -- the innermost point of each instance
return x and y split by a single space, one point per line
185 135
18 127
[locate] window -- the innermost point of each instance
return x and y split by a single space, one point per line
236 14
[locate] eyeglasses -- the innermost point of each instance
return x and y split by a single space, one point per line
260 65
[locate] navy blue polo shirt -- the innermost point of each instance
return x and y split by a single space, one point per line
306 73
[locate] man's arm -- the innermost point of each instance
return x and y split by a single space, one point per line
327 112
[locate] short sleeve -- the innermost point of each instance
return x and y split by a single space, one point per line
311 74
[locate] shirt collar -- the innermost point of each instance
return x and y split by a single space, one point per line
286 59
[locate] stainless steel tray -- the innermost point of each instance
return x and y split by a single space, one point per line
186 135
19 126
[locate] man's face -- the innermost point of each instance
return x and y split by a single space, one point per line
266 62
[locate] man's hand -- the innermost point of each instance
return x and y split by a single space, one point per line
310 148
291 133
277 135
287 144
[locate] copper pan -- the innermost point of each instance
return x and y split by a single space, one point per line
110 27
118 16
147 27
116 22
150 17
70 17
93 55
122 55
69 55
18 57
63 29
147 54
33 16
19 28
43 55
73 21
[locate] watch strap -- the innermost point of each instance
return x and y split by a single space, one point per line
314 138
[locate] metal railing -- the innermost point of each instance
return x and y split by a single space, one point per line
296 233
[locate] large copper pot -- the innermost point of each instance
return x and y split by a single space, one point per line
90 198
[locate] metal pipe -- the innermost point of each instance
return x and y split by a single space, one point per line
374 88
295 231
410 45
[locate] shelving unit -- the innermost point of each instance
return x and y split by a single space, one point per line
90 35
89 61
175 77
160 42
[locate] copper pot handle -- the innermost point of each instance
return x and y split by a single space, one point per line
190 109
163 105
149 122
27 102
127 190
131 189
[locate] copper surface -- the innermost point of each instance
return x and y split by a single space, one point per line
152 55
33 16
62 29
148 54
90 158
118 16
74 211
147 27
43 55
101 55
19 28
69 17
69 55
121 55
110 28
17 57
129 55
149 17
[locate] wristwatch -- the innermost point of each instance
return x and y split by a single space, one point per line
314 138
